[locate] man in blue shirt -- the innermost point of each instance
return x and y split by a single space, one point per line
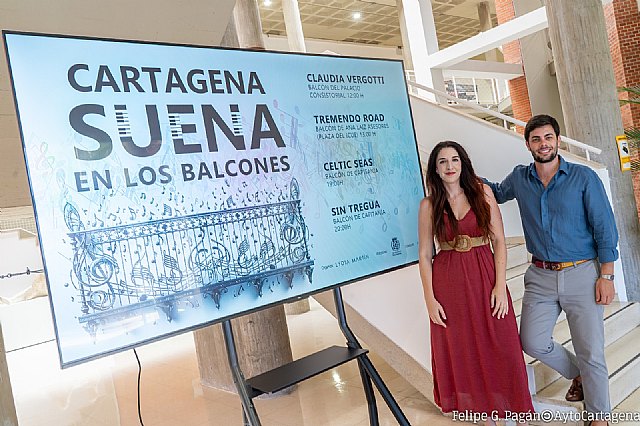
570 231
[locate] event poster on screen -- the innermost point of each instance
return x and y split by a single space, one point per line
176 186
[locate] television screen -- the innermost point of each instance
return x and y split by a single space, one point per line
176 186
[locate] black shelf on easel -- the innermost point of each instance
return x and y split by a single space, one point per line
304 368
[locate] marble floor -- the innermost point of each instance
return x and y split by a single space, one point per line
104 392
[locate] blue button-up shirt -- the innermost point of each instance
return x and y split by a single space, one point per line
571 219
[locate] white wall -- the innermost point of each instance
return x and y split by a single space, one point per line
394 304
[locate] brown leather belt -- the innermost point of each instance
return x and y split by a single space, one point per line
464 244
556 266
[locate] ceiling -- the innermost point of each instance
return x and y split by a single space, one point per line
456 20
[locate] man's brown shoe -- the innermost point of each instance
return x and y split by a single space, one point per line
575 392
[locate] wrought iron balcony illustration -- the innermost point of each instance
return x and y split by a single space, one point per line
121 272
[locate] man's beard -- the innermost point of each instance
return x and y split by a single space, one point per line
543 160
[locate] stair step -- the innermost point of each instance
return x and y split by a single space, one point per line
516 287
555 392
624 379
631 403
620 319
517 308
570 411
516 255
623 362
517 270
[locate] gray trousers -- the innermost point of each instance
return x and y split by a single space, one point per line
571 290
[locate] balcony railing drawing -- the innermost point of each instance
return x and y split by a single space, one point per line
122 271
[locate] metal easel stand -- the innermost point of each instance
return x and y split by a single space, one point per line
249 413
367 370
304 368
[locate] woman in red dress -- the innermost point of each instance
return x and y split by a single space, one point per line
477 360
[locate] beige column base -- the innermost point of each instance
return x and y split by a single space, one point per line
297 307
262 343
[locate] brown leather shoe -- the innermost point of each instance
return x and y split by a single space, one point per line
575 392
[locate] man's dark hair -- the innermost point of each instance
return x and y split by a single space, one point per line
540 121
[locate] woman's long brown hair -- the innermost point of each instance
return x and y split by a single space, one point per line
471 185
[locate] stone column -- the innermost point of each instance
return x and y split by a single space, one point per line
230 37
298 307
262 341
406 45
248 25
7 408
295 37
419 39
293 25
484 15
262 338
591 111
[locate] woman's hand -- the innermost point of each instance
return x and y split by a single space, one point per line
436 312
499 301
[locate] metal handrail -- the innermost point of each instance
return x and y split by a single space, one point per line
587 148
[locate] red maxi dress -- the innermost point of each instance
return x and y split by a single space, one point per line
477 360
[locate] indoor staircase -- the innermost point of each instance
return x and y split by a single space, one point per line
622 334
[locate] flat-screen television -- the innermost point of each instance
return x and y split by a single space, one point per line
177 186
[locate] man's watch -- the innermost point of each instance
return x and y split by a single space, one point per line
607 276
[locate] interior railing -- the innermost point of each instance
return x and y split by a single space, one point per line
413 89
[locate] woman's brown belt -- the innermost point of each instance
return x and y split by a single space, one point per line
464 243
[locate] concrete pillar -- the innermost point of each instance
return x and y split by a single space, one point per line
297 307
262 338
419 38
248 25
406 46
293 25
591 111
484 15
295 37
230 37
7 408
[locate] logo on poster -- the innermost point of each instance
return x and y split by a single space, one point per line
395 246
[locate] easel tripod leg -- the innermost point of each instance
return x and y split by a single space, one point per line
366 365
249 414
371 397
384 391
